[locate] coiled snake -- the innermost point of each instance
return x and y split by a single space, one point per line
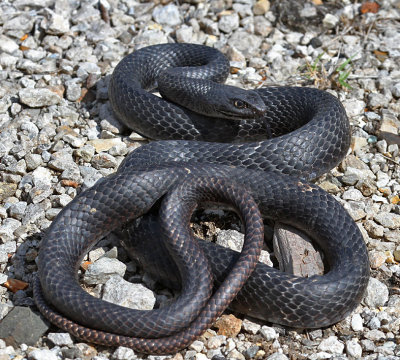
308 134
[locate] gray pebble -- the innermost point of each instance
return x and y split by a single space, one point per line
102 270
7 229
377 100
268 333
277 356
123 353
42 354
167 15
38 97
230 239
330 21
353 349
331 345
388 220
377 293
228 23
250 327
17 210
134 296
60 338
103 160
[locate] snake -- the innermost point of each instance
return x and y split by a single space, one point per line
254 150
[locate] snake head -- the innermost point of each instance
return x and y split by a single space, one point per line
241 104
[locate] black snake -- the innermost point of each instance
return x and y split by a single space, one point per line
308 134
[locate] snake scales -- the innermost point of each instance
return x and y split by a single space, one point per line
308 134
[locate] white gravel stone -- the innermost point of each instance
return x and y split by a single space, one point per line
201 357
197 346
43 354
277 356
228 23
352 194
60 338
134 296
357 322
268 333
353 349
56 24
167 15
231 239
7 45
102 270
330 21
377 293
250 327
7 229
123 353
388 220
331 345
184 34
37 98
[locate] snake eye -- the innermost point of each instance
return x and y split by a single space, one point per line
240 104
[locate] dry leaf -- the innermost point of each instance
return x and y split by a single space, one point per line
369 7
14 285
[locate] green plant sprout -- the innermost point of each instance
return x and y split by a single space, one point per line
322 78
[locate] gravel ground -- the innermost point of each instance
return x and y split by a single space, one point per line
58 135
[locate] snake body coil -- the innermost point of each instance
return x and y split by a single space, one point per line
310 135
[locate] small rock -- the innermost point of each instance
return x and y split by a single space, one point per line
268 333
388 220
102 270
376 100
250 327
123 353
197 346
167 15
228 325
22 326
230 239
277 356
101 145
236 355
367 186
246 43
7 45
86 152
352 194
201 357
184 34
228 23
251 352
17 210
7 229
396 90
331 345
37 98
7 190
377 294
60 339
121 292
216 342
261 7
42 354
56 24
103 160
377 259
353 349
33 161
357 322
374 335
330 21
